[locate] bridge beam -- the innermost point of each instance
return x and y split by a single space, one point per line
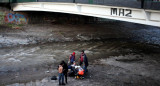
148 17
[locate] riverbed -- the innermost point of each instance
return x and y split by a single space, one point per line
119 54
111 63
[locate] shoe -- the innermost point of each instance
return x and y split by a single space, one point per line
63 84
60 84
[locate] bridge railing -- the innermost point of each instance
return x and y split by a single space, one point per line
152 4
145 4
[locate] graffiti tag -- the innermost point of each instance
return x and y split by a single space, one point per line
15 18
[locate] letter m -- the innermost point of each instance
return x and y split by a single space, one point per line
113 11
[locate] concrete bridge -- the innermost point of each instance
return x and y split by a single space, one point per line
142 12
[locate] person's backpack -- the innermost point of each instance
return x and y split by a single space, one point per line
71 73
53 78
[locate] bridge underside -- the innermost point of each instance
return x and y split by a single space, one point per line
142 16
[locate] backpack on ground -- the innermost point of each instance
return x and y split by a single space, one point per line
53 78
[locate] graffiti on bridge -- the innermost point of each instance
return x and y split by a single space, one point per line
15 18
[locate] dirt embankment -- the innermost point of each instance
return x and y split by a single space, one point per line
43 33
34 34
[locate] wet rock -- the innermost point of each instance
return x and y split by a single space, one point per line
13 60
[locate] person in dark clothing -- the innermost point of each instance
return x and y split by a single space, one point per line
65 70
81 59
84 61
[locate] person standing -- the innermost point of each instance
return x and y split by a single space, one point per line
81 59
84 61
61 76
65 70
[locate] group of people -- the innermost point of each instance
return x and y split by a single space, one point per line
63 67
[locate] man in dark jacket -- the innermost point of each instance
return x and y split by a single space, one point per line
65 70
85 61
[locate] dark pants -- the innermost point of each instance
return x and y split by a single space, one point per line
80 63
85 69
61 78
65 77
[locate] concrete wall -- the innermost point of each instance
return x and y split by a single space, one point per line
9 17
62 18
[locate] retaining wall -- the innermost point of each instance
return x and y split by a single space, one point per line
9 17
